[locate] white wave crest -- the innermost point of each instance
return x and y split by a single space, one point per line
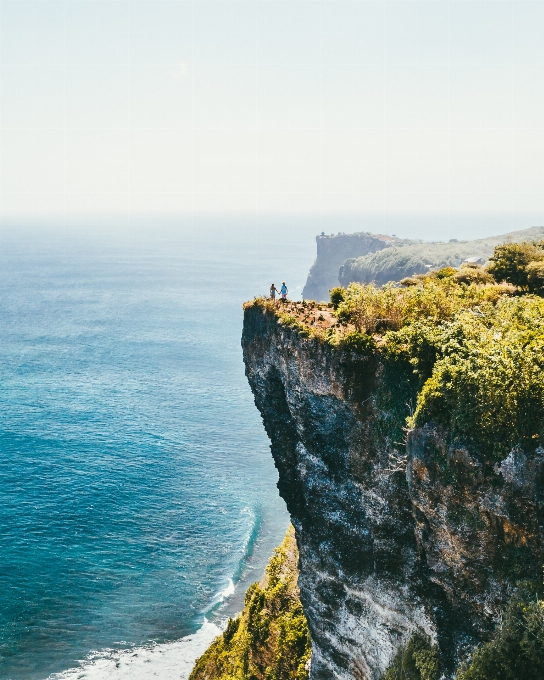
229 590
169 661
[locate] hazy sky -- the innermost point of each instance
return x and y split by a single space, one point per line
117 105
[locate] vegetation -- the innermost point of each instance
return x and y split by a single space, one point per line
417 660
405 259
375 310
482 374
461 347
477 354
521 264
535 277
337 296
517 650
270 638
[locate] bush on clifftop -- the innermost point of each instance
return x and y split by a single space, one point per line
337 296
513 262
376 310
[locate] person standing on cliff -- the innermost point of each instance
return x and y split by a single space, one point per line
273 291
283 291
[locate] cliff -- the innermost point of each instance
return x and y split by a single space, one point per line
332 251
269 639
402 261
366 258
428 528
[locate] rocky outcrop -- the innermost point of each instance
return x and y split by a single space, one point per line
393 536
332 251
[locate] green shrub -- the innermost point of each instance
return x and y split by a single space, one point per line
367 307
358 342
375 310
445 272
510 260
473 274
535 277
337 296
291 321
517 650
417 660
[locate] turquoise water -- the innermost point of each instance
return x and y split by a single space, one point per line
135 474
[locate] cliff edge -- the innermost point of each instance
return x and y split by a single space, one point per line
399 530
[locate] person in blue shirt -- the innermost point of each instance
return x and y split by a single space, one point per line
283 291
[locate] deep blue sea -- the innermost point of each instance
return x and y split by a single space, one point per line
137 490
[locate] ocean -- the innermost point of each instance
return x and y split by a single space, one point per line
138 496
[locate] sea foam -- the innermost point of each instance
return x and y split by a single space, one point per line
169 661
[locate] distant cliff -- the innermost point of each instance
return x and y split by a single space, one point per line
427 529
332 251
398 262
373 258
407 259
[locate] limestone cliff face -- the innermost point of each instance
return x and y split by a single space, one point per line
432 539
332 251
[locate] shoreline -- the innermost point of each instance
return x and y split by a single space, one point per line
168 661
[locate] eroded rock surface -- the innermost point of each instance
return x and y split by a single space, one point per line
392 536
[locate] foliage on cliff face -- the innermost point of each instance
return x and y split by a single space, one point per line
417 660
487 379
517 650
270 638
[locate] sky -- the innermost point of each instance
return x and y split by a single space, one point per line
173 106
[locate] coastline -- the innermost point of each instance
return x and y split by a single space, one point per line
168 661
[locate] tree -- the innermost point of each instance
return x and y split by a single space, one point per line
535 277
510 260
417 660
338 295
517 650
